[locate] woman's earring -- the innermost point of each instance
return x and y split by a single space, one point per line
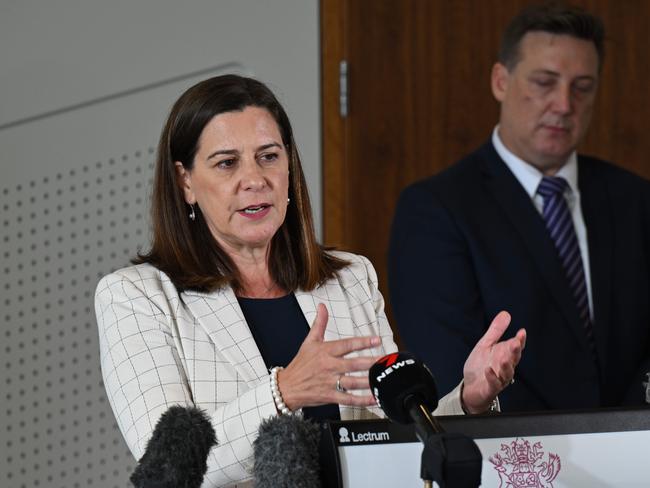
288 200
192 214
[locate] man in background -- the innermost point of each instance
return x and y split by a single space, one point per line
525 224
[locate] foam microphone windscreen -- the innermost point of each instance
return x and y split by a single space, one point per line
286 453
177 453
398 376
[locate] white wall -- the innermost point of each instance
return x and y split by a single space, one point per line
84 90
56 54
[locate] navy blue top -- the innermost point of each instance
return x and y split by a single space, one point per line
279 329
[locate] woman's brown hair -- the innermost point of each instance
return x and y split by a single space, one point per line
186 250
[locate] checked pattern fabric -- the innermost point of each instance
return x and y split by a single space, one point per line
560 226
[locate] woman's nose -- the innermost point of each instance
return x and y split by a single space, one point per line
252 177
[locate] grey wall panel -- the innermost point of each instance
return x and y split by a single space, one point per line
77 160
63 53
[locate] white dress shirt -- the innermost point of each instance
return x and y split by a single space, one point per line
530 177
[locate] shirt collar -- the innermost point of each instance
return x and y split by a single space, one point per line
527 174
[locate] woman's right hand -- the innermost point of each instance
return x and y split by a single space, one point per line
311 377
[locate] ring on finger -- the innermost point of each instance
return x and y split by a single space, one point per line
339 386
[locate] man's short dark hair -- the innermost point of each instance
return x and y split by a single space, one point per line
554 18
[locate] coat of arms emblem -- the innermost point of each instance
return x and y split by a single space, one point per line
521 465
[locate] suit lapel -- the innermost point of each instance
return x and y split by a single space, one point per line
220 315
598 215
339 322
529 224
307 303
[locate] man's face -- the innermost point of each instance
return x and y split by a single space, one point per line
546 98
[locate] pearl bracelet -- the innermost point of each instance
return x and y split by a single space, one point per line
275 391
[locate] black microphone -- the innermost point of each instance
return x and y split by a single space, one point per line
177 453
286 453
405 390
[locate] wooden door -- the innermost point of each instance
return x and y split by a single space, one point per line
419 98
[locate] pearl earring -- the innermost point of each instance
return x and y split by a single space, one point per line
192 214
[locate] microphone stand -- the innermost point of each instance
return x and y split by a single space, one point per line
451 460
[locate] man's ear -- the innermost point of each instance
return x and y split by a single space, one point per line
184 181
500 78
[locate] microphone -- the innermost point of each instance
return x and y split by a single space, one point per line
286 453
177 453
406 391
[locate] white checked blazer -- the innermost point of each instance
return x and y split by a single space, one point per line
160 348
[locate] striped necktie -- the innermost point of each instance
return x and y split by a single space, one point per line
560 225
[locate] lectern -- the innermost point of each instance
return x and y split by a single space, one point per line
600 448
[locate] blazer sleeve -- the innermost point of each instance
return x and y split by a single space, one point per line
377 300
143 370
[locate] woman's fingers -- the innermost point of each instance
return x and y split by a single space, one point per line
521 338
311 377
505 373
317 331
496 329
349 382
495 384
506 355
355 400
341 347
350 365
503 365
491 365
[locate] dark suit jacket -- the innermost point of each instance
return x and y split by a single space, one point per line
469 242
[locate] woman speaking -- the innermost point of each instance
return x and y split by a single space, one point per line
235 308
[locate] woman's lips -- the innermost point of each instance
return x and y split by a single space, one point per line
255 212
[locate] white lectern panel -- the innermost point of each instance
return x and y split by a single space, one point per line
550 450
558 461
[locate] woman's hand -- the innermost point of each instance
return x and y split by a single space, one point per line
311 377
490 367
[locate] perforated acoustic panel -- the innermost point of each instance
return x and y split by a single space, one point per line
75 196
60 233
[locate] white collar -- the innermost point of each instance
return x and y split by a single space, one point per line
527 174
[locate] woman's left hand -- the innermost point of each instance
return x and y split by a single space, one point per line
490 367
